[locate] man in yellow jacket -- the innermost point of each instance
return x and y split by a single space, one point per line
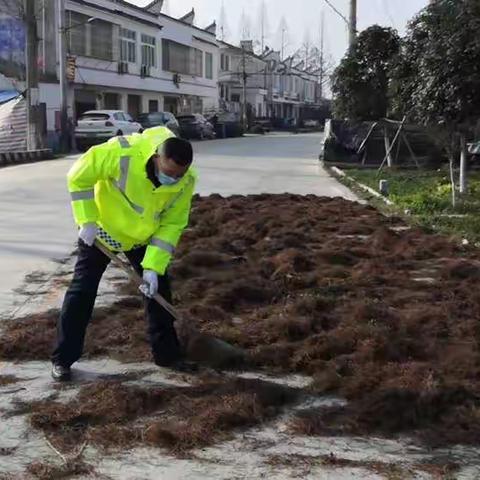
132 194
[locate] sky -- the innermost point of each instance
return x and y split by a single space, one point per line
302 16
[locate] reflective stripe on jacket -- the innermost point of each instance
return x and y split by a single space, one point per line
110 187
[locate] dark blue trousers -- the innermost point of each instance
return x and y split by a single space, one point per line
80 299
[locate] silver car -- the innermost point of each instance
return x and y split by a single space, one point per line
97 126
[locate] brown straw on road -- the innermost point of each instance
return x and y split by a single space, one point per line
198 346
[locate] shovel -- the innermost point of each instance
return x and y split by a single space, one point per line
198 346
135 277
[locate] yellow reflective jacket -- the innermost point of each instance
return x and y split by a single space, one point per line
109 186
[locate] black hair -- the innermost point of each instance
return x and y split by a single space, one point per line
179 150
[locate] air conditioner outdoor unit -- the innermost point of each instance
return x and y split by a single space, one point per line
144 71
122 67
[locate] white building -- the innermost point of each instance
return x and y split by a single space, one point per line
275 88
131 58
293 88
141 60
237 65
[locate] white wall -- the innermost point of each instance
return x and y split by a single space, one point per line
253 66
255 100
96 72
193 85
49 93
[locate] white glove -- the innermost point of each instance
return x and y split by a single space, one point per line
88 233
150 285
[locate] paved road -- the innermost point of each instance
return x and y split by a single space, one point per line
265 164
36 223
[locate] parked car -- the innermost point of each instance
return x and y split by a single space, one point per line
265 123
311 123
195 126
156 119
97 126
226 124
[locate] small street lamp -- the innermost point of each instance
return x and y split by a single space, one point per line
76 25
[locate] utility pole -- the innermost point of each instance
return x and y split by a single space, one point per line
223 22
262 27
263 24
322 52
463 164
62 73
244 84
31 74
283 28
352 24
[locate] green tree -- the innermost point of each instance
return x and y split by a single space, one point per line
436 79
360 83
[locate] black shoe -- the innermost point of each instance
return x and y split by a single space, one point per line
61 373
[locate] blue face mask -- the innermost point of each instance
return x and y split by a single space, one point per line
166 179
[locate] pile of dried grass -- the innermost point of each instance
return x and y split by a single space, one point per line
387 317
114 415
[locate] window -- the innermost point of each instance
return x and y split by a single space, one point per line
157 118
225 92
198 59
153 105
77 33
101 39
94 117
148 50
86 38
176 57
119 117
180 58
224 62
209 65
236 97
128 45
111 101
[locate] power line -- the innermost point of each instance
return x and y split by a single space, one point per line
338 12
386 8
351 22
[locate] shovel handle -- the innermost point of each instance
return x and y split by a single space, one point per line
133 275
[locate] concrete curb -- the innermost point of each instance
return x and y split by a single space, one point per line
364 187
13 158
346 165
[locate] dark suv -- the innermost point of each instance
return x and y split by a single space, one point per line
159 119
195 126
